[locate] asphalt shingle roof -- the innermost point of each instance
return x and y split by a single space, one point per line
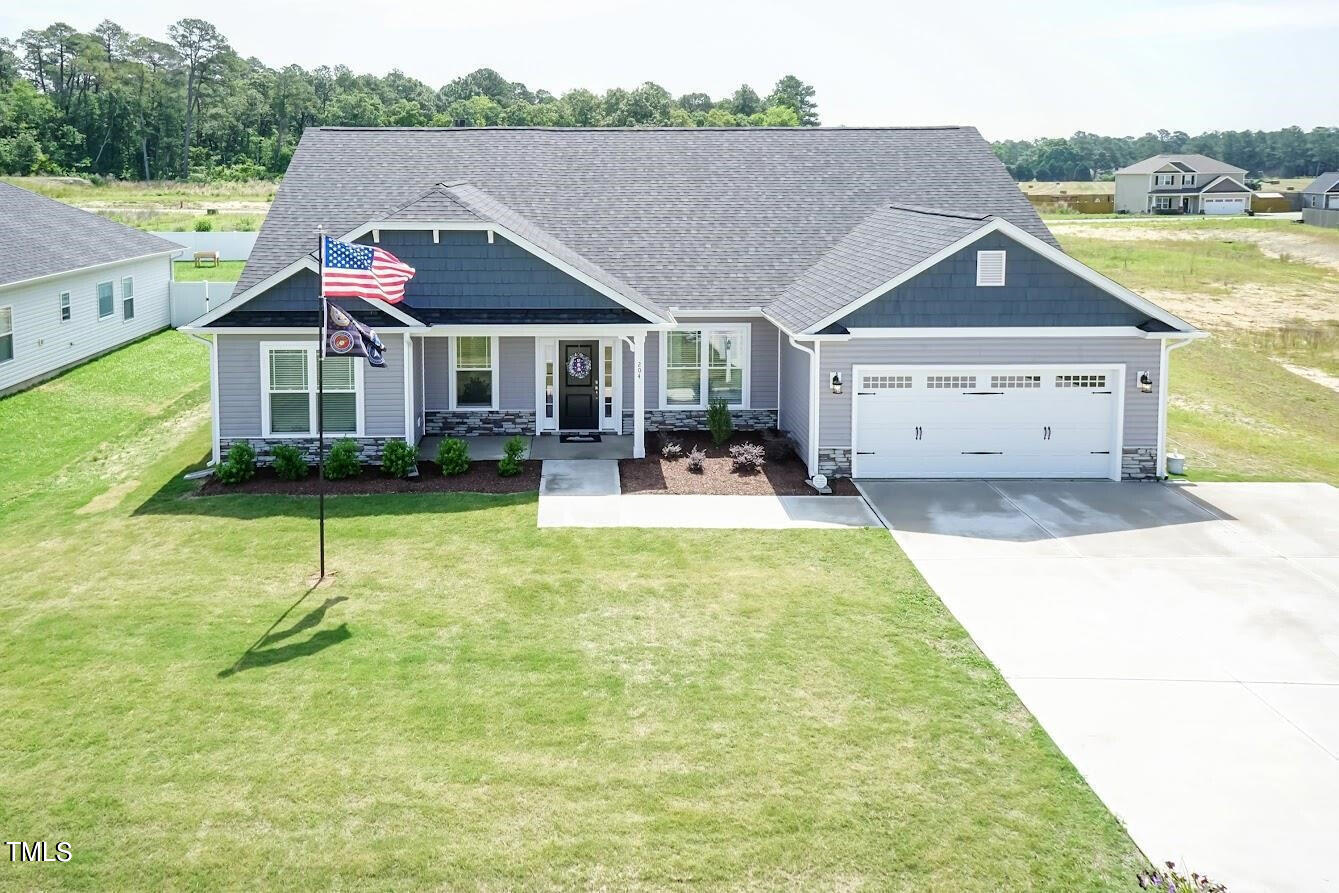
1326 182
1197 163
884 245
682 218
40 236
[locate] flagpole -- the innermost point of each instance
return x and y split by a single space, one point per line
320 391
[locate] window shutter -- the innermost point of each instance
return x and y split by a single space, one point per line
990 268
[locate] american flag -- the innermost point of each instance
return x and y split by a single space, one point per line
362 271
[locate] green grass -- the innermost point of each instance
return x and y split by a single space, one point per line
1193 265
475 702
1238 415
226 271
75 191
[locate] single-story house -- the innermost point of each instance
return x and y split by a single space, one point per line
1320 201
884 296
73 285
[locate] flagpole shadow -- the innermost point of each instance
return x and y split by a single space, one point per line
260 654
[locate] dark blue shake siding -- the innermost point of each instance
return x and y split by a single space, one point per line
1036 292
461 271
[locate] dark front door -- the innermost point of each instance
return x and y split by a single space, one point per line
579 391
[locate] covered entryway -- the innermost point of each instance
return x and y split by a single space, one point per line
1233 204
987 422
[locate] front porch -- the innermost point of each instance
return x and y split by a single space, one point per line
543 446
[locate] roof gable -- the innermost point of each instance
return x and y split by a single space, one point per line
42 237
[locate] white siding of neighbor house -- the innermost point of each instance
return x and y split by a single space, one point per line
795 388
1132 192
44 345
1138 354
239 387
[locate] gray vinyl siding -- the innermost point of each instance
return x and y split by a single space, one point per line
794 409
436 373
239 387
516 371
44 344
1141 410
1037 292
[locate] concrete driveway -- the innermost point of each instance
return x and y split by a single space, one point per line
1179 643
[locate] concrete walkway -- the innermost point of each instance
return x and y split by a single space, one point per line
587 493
1179 643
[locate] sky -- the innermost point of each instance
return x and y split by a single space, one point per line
1014 69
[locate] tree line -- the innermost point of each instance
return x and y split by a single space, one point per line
112 103
1289 152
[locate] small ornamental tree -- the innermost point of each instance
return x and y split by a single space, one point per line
719 422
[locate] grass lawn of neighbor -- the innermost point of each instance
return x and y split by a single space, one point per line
226 271
474 702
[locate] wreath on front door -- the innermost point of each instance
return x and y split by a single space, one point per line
578 365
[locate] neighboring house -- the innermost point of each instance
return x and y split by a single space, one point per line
72 285
1181 184
1320 200
887 297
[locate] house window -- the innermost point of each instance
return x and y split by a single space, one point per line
339 397
608 381
1187 179
1163 202
475 379
1163 179
1015 381
1080 381
885 382
291 396
951 382
6 334
548 388
289 391
105 303
702 365
127 298
990 267
65 306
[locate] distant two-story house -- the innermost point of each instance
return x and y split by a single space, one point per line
1322 192
1181 184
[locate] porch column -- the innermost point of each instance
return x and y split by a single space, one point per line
638 397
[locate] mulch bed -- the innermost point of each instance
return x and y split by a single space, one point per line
481 478
783 475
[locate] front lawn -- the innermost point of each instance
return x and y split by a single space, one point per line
474 702
226 271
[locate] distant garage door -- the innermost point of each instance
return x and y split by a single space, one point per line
1235 205
981 422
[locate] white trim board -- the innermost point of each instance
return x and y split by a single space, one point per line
1027 240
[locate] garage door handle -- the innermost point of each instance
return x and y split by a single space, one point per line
1101 392
919 432
864 452
984 393
983 452
1099 452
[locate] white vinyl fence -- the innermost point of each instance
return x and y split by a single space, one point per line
192 300
230 246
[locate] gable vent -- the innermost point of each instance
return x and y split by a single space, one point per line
990 268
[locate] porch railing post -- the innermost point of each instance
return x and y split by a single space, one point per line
639 397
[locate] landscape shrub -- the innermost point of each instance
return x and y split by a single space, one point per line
747 456
399 459
289 463
697 459
204 225
513 451
239 465
671 449
342 461
719 422
453 456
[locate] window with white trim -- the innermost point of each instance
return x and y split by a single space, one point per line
65 310
608 353
6 334
1164 179
106 302
290 394
474 376
128 298
704 364
1187 179
990 267
1162 202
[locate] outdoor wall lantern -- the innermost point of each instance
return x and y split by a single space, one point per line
836 383
1145 382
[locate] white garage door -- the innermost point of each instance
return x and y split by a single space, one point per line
998 421
1225 205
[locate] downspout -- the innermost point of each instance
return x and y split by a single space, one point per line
1167 347
812 458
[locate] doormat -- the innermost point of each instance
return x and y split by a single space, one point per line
578 438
